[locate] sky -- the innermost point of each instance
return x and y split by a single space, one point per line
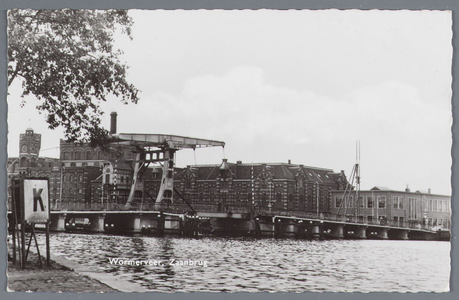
297 85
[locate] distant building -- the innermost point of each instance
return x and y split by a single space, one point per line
263 187
29 163
400 208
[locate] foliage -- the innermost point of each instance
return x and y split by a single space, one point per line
67 60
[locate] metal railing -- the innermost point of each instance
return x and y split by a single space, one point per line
243 208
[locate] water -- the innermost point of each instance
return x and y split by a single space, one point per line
261 265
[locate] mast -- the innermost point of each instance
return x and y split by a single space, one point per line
357 183
348 191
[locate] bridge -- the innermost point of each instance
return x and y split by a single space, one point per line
177 219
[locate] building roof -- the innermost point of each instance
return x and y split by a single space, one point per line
272 171
380 188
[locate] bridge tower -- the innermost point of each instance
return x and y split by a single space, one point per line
154 148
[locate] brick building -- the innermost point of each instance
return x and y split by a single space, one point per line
262 187
399 208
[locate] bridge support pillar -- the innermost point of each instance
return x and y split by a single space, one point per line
337 231
361 232
402 234
98 224
315 231
382 234
137 226
58 224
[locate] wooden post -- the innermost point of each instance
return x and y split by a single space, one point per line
23 244
47 244
15 218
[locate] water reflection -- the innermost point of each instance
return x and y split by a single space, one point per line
262 265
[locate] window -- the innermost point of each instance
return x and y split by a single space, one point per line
107 178
66 156
350 201
338 201
278 197
382 202
412 208
362 201
88 155
434 207
430 205
369 202
445 206
396 201
440 205
77 155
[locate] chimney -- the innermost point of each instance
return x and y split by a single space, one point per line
289 162
239 162
113 116
407 189
428 191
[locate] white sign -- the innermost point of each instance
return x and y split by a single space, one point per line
36 201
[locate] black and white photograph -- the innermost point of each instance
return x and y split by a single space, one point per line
224 151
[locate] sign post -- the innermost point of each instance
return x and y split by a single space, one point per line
35 209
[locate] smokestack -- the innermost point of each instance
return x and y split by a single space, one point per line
113 116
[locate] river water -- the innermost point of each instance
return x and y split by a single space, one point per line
259 265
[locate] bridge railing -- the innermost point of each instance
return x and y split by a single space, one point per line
236 208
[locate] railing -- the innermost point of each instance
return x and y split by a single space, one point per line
238 208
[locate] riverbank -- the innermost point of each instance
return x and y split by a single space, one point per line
54 278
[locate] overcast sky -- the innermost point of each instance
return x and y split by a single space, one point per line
299 85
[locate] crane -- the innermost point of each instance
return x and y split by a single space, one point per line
153 148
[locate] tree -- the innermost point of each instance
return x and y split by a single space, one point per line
66 58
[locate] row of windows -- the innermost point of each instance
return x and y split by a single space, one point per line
88 155
438 205
72 178
81 156
397 203
68 191
371 202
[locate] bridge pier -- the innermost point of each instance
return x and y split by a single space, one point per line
337 231
360 232
315 230
382 234
58 222
400 234
98 223
137 223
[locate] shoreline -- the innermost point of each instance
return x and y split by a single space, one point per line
61 276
